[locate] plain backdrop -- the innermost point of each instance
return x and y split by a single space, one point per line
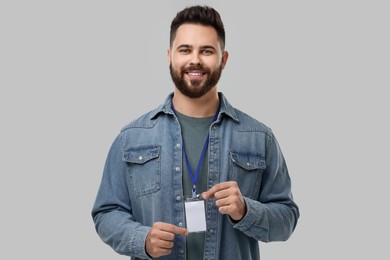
72 73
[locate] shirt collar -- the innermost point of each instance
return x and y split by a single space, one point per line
226 108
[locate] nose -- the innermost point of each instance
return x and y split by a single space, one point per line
196 59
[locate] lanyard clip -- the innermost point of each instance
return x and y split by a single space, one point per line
196 198
194 191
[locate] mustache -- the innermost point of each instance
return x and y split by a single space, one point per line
196 67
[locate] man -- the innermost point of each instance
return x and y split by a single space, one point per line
195 144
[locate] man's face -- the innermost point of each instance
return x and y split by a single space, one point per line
196 59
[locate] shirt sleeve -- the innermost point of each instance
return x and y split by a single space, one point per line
112 212
274 215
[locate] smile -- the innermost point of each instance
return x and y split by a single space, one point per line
195 74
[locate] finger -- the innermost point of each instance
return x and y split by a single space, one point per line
158 251
160 239
232 206
180 231
222 202
174 229
165 244
164 251
156 247
224 210
160 243
216 188
231 210
167 236
166 231
222 194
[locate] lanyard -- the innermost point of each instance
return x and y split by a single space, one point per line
195 176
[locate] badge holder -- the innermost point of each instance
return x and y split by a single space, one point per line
195 214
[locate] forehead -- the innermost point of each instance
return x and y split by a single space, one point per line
196 35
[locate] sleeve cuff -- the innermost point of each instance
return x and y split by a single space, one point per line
253 213
137 244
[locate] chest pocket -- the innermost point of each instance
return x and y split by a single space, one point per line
144 171
246 169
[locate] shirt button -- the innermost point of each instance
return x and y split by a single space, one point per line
248 164
178 145
140 158
211 231
181 251
177 169
180 224
178 198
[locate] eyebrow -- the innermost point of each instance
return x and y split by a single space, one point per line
207 47
201 47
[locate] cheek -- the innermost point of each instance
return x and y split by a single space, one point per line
179 61
213 63
176 68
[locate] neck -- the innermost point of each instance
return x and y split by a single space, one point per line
204 106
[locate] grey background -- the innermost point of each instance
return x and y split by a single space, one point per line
72 73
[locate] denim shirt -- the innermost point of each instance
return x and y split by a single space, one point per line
142 184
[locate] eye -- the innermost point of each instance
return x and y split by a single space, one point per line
184 51
207 52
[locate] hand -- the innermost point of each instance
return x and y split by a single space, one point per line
159 240
229 199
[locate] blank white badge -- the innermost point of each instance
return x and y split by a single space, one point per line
195 216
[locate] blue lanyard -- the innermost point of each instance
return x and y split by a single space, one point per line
195 177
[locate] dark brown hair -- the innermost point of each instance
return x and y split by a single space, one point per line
203 15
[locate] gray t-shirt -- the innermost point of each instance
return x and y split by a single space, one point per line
195 131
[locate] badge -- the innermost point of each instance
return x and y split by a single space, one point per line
195 214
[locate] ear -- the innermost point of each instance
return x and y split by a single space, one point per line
169 56
225 57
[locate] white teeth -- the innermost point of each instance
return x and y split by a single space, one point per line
195 74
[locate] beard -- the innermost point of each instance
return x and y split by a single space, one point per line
196 88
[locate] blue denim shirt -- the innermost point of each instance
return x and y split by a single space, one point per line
142 184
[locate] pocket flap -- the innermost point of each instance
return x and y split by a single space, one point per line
248 161
141 155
